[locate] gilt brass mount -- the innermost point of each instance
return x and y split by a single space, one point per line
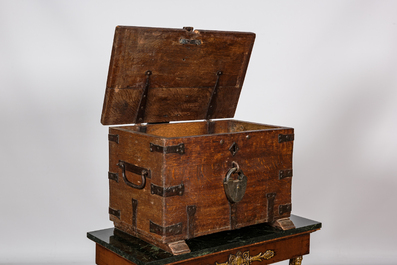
246 259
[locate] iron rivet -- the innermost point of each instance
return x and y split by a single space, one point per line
247 136
221 141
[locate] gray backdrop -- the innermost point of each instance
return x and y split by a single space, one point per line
326 68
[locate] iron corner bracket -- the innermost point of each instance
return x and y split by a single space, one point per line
178 149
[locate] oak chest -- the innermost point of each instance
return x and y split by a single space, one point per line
179 166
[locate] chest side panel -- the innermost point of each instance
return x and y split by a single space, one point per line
203 168
128 157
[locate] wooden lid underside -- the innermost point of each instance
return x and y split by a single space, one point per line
183 65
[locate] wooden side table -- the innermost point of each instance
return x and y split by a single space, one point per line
257 244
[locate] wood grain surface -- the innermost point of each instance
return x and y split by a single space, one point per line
183 75
201 169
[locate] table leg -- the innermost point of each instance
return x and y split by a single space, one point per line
296 261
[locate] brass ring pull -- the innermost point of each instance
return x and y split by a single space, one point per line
134 169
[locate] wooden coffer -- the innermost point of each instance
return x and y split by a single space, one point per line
179 166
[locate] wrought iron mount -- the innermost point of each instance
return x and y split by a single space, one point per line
167 192
178 149
142 104
166 231
212 104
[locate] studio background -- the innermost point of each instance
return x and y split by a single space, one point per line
326 68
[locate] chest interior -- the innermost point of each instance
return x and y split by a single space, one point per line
191 129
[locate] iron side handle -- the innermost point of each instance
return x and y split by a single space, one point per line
145 173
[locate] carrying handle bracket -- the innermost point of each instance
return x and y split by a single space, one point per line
145 173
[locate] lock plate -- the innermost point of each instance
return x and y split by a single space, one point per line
235 188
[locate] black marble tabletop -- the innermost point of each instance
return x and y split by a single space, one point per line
143 253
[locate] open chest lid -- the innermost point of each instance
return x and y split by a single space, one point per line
160 75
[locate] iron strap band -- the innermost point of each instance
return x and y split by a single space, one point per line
167 192
134 213
113 176
285 208
179 148
233 215
191 211
113 138
166 231
270 206
285 173
114 212
286 137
